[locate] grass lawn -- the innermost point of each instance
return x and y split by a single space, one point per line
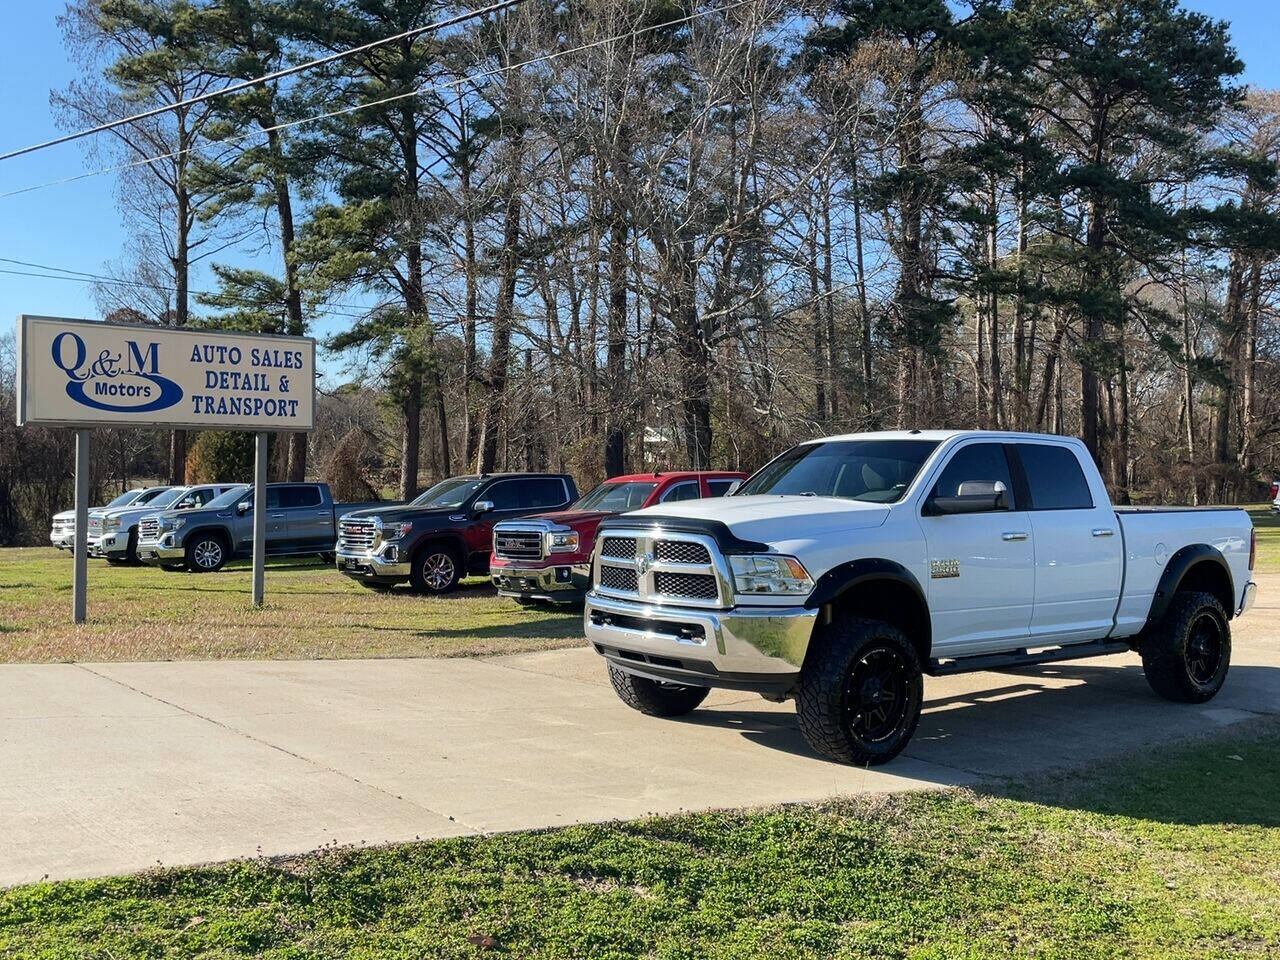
1173 854
144 613
1268 526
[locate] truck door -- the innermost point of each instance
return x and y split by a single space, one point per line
981 566
309 518
1078 548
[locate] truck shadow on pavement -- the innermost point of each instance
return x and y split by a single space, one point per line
997 731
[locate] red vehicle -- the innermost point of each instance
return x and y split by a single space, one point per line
548 556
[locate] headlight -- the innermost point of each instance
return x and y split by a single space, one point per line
392 531
770 573
563 542
110 523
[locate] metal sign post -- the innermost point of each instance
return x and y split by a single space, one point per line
82 374
259 517
80 578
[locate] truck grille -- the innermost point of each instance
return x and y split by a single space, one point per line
149 528
517 544
357 534
64 526
95 526
671 567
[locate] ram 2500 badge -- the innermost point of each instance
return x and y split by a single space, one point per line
444 534
846 568
548 556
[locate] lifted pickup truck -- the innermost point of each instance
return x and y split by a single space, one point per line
846 568
548 556
446 532
300 520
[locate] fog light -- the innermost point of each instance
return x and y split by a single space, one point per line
391 553
562 574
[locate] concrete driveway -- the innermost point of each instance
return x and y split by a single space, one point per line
109 768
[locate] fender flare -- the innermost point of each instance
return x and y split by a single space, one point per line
1176 569
844 577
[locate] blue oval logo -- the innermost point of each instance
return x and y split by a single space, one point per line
128 382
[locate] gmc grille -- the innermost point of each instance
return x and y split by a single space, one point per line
518 544
95 526
149 529
357 534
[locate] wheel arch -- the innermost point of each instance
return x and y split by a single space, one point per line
443 536
219 531
878 589
1198 566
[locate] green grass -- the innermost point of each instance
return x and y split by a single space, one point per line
1174 855
1268 526
144 613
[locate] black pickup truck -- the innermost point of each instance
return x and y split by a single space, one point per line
446 533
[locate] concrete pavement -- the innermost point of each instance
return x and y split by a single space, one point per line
109 768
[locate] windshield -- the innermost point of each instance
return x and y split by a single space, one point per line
149 496
448 493
877 471
125 498
172 495
616 497
226 498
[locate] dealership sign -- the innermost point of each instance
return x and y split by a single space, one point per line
83 373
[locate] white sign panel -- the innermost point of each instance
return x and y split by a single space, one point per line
83 373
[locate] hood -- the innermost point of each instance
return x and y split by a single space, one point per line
401 512
71 514
570 518
756 517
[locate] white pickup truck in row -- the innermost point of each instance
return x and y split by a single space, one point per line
846 568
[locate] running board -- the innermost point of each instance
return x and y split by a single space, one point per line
1021 658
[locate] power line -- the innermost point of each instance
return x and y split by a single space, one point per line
431 87
258 81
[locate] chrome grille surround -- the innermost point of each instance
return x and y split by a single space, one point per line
149 528
64 526
95 525
520 539
356 534
657 576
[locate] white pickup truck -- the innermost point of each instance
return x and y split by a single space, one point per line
846 568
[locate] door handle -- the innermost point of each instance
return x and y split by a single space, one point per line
1103 532
323 516
277 516
1014 535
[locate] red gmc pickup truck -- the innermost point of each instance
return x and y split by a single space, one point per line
548 556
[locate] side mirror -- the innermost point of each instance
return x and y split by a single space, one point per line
244 506
733 488
482 506
995 497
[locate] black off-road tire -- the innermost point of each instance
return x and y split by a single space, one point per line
429 573
1187 654
655 699
201 555
835 717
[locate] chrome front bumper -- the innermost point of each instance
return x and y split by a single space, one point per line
749 648
163 550
1247 599
559 583
110 545
362 565
63 541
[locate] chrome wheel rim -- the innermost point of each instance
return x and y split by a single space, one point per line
437 571
208 554
1204 648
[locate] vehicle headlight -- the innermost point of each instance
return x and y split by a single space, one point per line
392 531
770 573
175 523
110 523
563 542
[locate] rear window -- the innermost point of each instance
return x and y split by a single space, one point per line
545 492
1055 478
718 488
307 496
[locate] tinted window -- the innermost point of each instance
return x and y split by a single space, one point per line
616 497
448 493
227 498
544 492
687 490
976 469
125 498
1055 477
302 496
505 495
273 498
878 471
719 488
151 496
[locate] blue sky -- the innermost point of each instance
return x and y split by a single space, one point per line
76 226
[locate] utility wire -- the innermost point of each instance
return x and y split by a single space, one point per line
431 87
258 81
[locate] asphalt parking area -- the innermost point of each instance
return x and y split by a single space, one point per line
115 767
